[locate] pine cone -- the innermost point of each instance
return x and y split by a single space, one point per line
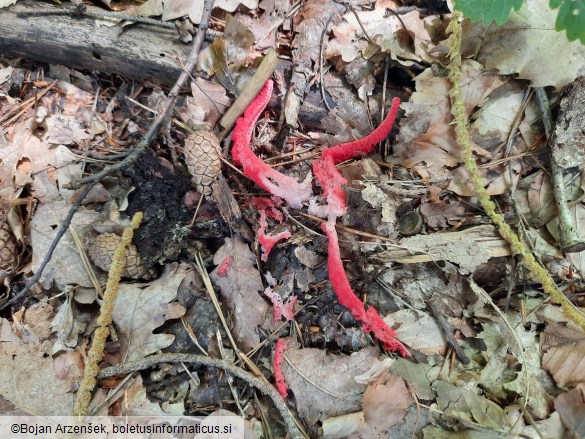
203 159
8 253
102 252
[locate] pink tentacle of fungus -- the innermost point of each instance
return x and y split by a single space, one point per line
280 382
267 178
370 319
296 193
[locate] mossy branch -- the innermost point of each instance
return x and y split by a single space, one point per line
96 352
464 140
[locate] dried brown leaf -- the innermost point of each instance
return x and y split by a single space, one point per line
227 56
208 104
240 283
441 214
385 403
141 308
66 266
27 378
571 408
324 385
565 354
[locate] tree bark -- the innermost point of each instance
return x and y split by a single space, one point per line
140 52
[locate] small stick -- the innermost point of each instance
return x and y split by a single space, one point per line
321 85
251 90
433 306
568 236
265 388
357 17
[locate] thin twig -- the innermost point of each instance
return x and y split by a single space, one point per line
321 85
53 246
265 388
207 282
438 313
568 237
352 9
167 107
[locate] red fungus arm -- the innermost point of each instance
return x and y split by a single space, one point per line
268 241
370 319
281 384
345 151
331 179
255 169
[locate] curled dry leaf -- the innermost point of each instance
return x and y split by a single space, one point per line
102 252
385 403
203 159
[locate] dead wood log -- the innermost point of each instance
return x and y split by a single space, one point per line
140 52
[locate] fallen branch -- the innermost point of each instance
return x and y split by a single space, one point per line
266 389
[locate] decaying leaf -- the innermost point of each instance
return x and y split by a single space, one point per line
529 380
418 375
441 214
384 404
468 405
387 33
65 266
418 330
231 5
208 104
468 248
241 284
324 384
565 353
227 56
571 408
525 44
68 324
136 402
27 378
141 308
